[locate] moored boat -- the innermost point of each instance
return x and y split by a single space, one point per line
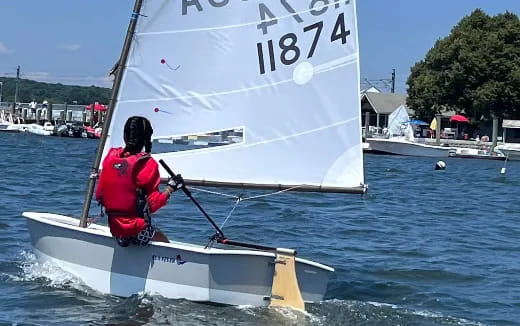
400 140
402 146
510 150
475 153
37 129
10 123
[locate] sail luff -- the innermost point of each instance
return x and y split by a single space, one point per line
113 100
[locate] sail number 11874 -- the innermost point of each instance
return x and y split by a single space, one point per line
289 50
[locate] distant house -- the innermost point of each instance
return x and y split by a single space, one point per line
380 105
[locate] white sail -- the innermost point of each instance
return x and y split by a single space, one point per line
284 72
397 121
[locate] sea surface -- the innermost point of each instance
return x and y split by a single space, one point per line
422 247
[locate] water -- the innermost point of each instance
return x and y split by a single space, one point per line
423 247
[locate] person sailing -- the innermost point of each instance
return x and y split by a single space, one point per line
128 186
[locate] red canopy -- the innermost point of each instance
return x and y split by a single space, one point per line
97 107
459 118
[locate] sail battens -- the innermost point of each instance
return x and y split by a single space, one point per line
361 189
325 67
193 152
212 94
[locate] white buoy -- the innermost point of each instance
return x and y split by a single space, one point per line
441 165
503 170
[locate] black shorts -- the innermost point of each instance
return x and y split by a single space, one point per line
141 239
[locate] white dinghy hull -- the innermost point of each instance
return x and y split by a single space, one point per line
173 270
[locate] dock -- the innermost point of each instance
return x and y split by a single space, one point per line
53 112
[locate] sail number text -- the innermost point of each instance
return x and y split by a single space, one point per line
290 52
316 7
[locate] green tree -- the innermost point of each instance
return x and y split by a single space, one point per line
475 70
53 93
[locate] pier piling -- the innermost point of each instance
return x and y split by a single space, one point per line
438 129
495 134
367 124
49 112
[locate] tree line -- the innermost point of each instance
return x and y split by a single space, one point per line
475 70
53 93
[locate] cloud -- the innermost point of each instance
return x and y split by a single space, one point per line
5 50
69 47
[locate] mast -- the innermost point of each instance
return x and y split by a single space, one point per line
113 101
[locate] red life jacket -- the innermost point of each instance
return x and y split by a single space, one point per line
119 193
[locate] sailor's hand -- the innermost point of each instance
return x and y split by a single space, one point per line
176 182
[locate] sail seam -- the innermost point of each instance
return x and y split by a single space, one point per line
318 8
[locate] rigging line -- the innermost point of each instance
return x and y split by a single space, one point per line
203 29
505 162
214 192
231 212
273 193
239 199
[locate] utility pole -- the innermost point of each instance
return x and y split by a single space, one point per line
16 88
393 81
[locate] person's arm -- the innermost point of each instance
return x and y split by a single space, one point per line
149 179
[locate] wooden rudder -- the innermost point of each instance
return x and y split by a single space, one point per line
285 291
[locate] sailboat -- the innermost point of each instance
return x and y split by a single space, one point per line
10 123
509 150
401 140
284 76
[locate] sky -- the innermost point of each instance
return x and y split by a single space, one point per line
77 41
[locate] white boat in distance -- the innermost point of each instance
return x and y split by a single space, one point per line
400 140
235 85
402 146
510 150
10 123
10 127
37 129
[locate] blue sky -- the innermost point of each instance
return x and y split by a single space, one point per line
78 41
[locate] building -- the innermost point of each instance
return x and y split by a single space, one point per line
380 106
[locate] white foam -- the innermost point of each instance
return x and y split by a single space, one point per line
34 270
405 311
426 313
